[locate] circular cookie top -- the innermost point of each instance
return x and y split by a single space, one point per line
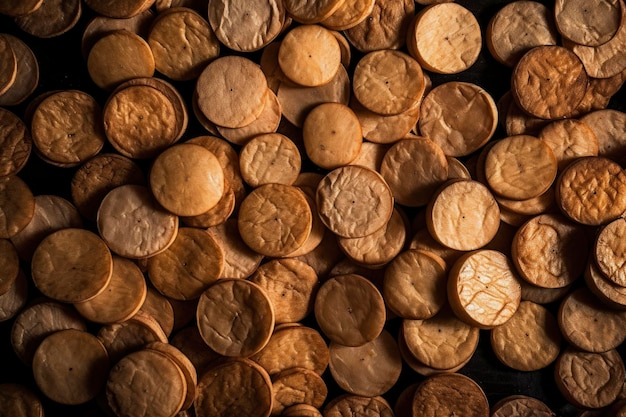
549 82
246 27
275 219
520 167
72 265
133 224
269 158
140 121
70 366
591 191
353 201
458 116
447 38
550 251
589 23
309 55
182 43
188 266
530 340
119 56
146 382
589 325
388 82
414 286
235 317
231 91
67 127
587 379
368 370
350 310
517 27
332 135
238 378
414 168
187 179
483 289
475 210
